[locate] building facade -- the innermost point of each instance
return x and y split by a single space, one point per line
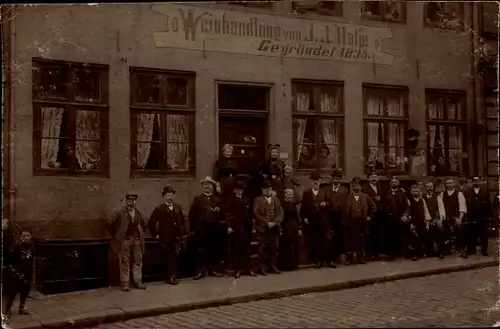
105 98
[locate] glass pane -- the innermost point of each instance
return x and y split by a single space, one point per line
396 157
178 156
376 144
329 153
490 17
435 107
372 8
305 139
492 155
87 85
88 125
54 143
436 153
177 89
493 169
394 10
88 155
329 100
454 110
374 103
53 81
148 138
302 100
396 104
148 89
491 107
241 97
177 128
456 152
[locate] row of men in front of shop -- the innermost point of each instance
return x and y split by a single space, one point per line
341 226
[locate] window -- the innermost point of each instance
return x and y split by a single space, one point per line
318 118
489 19
331 8
243 97
446 128
162 122
386 121
392 11
70 103
444 14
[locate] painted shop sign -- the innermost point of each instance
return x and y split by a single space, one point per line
198 28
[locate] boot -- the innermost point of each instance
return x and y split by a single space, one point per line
125 287
200 275
140 286
172 281
275 270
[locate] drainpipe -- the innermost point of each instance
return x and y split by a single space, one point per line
473 30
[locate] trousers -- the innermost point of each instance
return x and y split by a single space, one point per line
268 247
130 256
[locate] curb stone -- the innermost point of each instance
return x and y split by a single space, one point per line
119 315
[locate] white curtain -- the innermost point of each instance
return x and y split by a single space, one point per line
145 126
395 106
302 101
455 147
436 109
375 105
88 139
51 130
177 142
396 144
329 128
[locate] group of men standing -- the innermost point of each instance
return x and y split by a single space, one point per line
341 226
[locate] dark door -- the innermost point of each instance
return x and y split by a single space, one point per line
248 137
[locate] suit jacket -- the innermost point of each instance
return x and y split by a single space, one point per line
202 212
335 200
396 205
310 208
238 212
168 224
369 208
481 209
117 227
432 205
259 207
367 188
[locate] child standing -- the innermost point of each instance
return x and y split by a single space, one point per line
19 272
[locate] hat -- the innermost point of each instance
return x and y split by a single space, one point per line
273 146
337 172
208 179
266 184
240 184
356 180
315 176
372 174
167 189
131 194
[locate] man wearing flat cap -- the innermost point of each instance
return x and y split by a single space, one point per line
478 212
166 223
126 228
239 222
207 223
359 211
268 215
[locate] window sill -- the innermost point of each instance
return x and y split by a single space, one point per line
180 175
66 174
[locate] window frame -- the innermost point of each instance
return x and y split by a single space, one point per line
383 9
303 8
70 104
317 117
385 90
433 24
446 123
163 108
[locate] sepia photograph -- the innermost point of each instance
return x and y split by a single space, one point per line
250 164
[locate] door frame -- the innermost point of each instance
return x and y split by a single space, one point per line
264 114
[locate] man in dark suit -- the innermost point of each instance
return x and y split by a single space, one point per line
166 223
314 212
436 229
359 211
268 217
395 205
238 214
478 212
375 227
208 226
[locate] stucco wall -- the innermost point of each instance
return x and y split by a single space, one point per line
121 36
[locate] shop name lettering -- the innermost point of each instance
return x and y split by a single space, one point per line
330 40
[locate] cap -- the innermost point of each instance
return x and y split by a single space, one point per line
167 189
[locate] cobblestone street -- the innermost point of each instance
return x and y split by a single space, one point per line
466 298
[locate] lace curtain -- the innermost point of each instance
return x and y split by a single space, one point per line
51 131
436 139
376 152
302 101
145 126
455 148
329 128
177 142
396 147
88 139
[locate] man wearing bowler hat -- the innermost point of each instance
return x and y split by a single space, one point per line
238 214
126 228
268 217
166 223
208 226
478 213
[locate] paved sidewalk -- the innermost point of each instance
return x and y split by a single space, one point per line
105 305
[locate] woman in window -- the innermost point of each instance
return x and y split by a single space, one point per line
225 170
